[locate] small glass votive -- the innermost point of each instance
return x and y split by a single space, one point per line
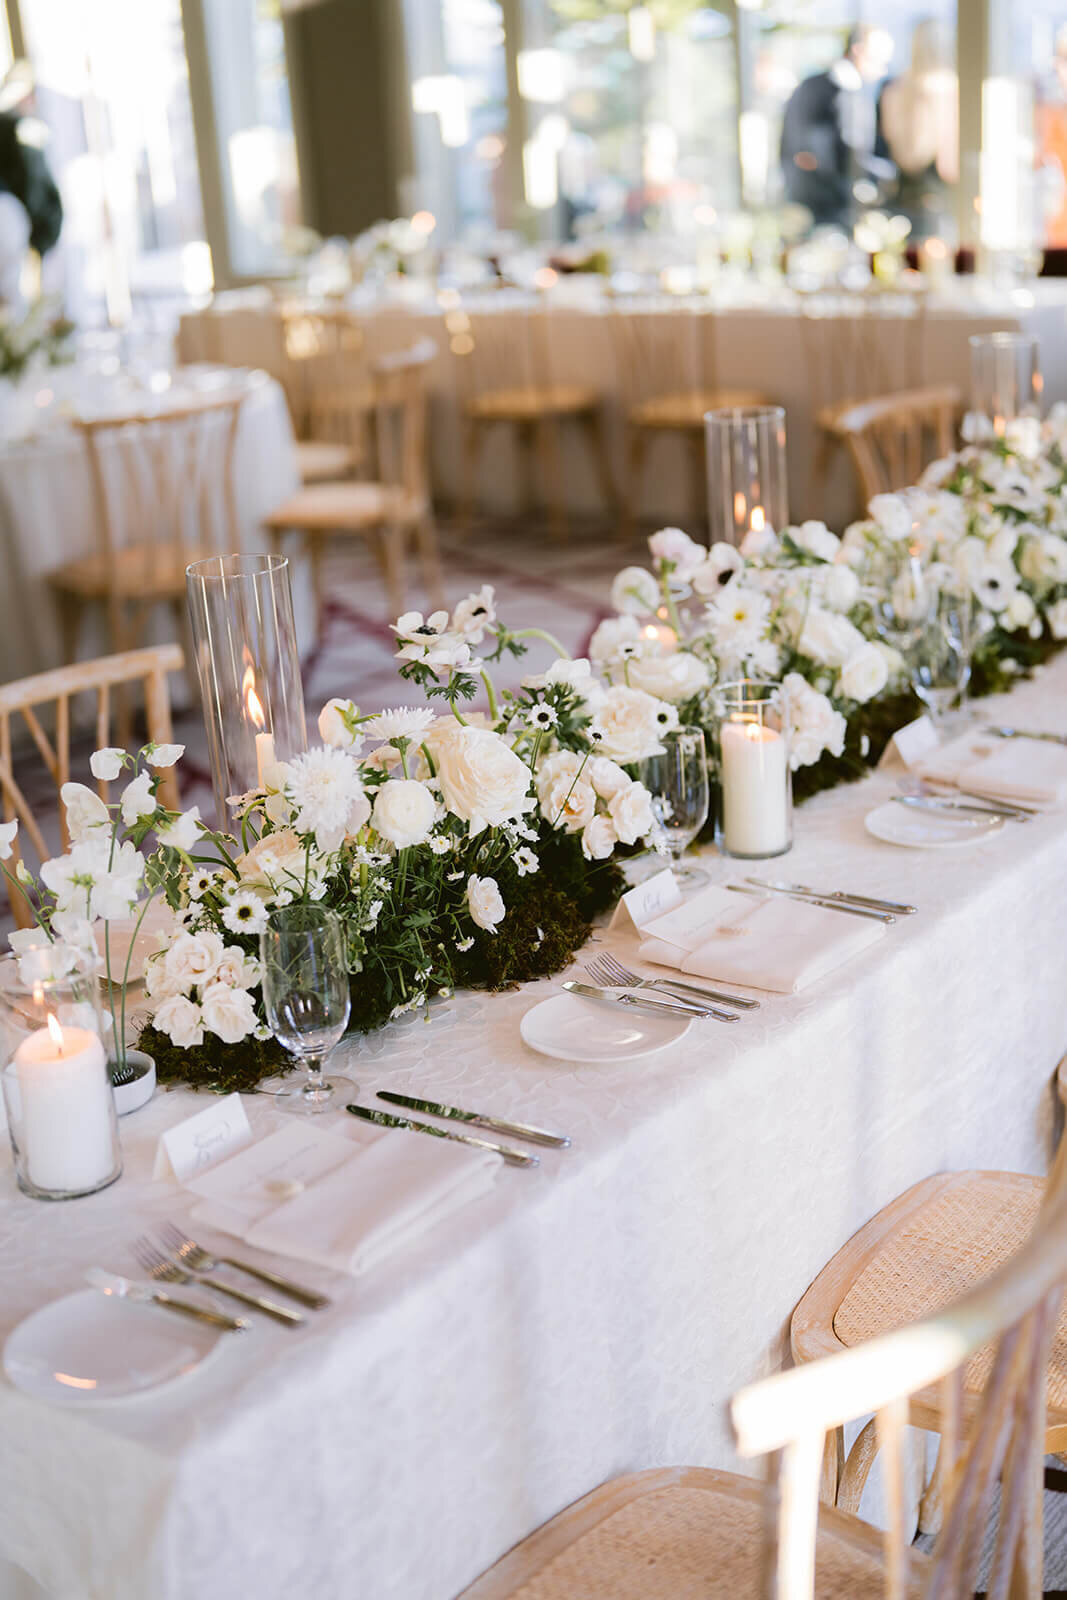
58 1098
747 490
1006 380
755 816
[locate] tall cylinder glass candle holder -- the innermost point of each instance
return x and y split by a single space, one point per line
248 665
58 1098
747 490
1006 379
755 816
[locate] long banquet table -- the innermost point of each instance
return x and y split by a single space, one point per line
799 353
584 1319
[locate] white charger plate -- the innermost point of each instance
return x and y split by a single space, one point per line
928 830
89 1349
570 1028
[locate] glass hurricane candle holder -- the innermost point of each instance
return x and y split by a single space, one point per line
53 1066
746 472
755 818
249 670
1005 377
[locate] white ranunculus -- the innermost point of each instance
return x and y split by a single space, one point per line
1057 619
193 958
337 725
631 723
570 804
893 514
180 1019
685 556
636 591
674 677
229 1013
840 588
611 639
828 638
85 811
138 800
483 781
485 903
864 674
607 777
164 755
631 813
814 725
183 832
598 839
816 538
722 561
106 764
404 812
8 830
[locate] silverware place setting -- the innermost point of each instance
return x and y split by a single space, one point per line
477 1119
1026 733
383 1119
649 1008
972 806
609 972
826 901
186 1252
842 897
113 1284
164 1269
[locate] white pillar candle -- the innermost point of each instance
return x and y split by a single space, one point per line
265 762
755 807
663 634
66 1104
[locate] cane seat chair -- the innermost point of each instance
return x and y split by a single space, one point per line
393 508
891 438
692 1533
42 707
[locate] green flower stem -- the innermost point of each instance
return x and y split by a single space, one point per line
550 639
672 609
570 791
120 1041
494 709
23 891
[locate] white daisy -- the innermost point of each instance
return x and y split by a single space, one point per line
201 883
542 717
403 722
463 945
245 913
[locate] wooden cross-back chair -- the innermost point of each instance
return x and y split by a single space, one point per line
42 705
330 389
694 1532
507 379
891 438
395 506
668 378
163 496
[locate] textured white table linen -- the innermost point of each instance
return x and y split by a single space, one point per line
47 517
584 1319
760 343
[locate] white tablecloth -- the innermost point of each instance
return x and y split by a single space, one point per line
587 1318
799 361
47 517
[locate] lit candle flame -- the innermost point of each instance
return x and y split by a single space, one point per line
56 1031
739 507
253 703
752 730
757 521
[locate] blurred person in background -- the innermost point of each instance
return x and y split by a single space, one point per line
830 129
31 212
919 124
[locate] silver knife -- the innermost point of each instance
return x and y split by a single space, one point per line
650 1008
124 1289
514 1158
812 900
1026 733
510 1130
895 906
959 808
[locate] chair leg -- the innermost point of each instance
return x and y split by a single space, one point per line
636 453
552 471
430 560
594 427
390 548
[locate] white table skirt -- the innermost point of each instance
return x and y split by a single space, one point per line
585 1319
47 517
768 347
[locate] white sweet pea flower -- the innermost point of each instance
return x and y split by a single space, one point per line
138 800
671 545
85 811
106 764
116 890
338 725
8 830
485 903
164 755
183 832
758 542
635 592
840 587
1023 436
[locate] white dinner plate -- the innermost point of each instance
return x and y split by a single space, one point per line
90 1348
929 830
569 1028
137 945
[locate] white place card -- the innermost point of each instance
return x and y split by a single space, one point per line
648 900
200 1141
911 744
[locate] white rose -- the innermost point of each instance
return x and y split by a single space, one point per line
164 755
635 591
1044 558
337 725
484 902
674 677
631 813
630 723
183 832
598 839
816 539
814 725
722 561
138 800
828 638
180 1019
570 804
563 764
404 812
240 971
229 1013
193 958
106 764
607 777
85 811
1057 619
483 781
671 544
611 637
1019 612
840 588
277 859
863 675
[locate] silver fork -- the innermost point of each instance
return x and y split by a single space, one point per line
164 1270
191 1254
605 969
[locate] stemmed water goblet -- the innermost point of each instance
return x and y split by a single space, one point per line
940 659
306 994
677 780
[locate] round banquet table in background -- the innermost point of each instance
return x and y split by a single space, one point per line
581 1320
784 347
47 517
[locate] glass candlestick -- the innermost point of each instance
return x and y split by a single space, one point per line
755 817
249 670
746 464
1005 378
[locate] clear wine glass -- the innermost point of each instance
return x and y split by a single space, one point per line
940 659
305 992
678 783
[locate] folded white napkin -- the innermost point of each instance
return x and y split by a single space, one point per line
355 1202
773 943
1031 771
